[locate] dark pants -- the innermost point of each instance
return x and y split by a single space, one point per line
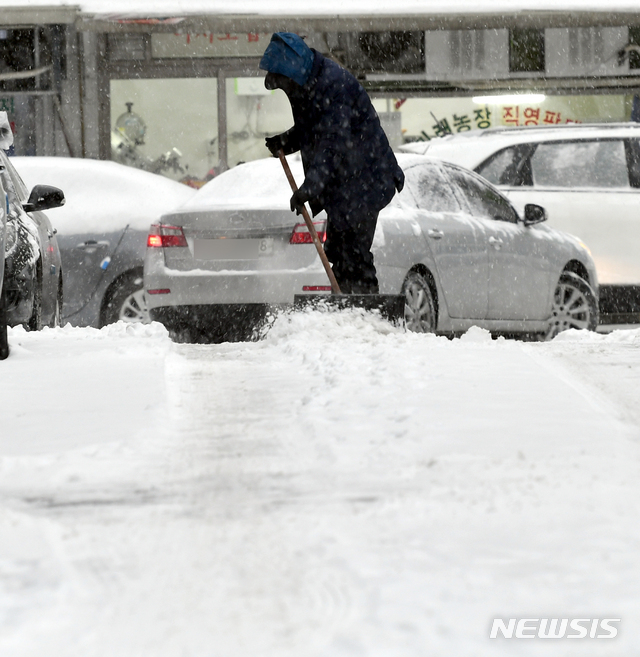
348 248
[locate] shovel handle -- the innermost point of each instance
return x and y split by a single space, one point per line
335 288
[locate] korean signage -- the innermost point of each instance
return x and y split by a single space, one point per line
514 115
209 44
476 119
486 117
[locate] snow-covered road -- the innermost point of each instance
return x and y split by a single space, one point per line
340 488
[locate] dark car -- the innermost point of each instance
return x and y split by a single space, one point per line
32 273
4 345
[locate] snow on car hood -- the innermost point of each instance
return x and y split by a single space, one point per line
102 196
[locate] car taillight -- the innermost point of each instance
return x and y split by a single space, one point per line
163 236
301 234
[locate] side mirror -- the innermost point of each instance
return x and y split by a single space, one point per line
44 197
534 214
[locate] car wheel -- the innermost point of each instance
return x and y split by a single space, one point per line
4 340
57 313
127 302
574 306
419 305
35 321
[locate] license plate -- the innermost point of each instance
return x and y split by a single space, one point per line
232 249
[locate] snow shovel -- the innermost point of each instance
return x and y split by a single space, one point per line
390 306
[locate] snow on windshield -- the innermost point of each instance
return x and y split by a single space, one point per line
432 190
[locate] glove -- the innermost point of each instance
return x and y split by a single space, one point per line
298 200
274 144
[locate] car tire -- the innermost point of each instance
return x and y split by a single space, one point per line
127 302
420 307
56 319
574 306
4 339
35 321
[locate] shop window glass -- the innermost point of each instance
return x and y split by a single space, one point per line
634 55
253 113
526 50
174 130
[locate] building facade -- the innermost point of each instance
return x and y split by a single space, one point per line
183 96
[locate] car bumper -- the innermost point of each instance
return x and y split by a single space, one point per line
215 322
175 288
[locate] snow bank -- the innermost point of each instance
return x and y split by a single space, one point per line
623 336
340 488
73 387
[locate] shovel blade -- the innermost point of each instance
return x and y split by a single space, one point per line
390 306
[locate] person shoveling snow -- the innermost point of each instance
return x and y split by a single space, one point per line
350 169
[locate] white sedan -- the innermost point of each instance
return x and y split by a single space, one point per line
451 243
587 177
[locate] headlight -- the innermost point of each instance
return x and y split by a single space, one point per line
584 246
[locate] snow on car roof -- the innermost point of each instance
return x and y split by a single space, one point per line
102 196
522 134
472 147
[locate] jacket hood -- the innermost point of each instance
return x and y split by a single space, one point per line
288 55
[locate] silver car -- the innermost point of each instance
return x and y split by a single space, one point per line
587 177
451 243
102 233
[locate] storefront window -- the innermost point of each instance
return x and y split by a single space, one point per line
168 126
253 113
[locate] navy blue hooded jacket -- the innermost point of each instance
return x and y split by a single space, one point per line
347 159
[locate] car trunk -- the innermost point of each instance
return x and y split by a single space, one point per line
238 240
